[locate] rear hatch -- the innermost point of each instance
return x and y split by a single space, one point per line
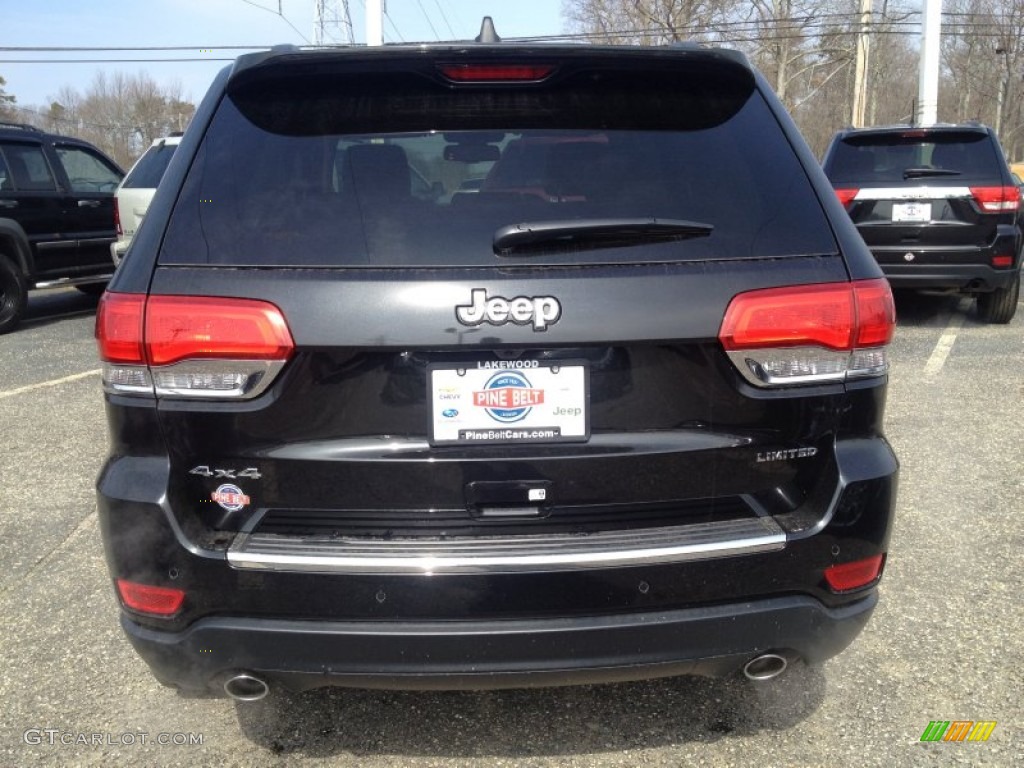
941 193
447 362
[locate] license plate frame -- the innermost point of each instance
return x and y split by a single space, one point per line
508 402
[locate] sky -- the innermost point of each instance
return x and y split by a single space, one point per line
204 26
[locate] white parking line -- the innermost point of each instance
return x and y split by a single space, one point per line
50 383
944 345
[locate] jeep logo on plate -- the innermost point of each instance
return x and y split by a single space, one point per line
540 311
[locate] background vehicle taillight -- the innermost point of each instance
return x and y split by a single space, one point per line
810 334
190 346
846 196
997 199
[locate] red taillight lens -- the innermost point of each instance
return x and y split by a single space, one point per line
119 328
189 346
188 327
1002 261
860 573
876 313
117 218
810 333
997 199
783 317
490 73
145 598
846 196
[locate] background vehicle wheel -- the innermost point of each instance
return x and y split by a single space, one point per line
92 289
13 294
1000 305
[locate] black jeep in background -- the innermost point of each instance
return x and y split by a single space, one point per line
938 207
56 216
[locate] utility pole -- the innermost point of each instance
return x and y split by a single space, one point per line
332 23
928 83
375 22
860 77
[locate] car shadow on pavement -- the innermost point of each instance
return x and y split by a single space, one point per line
46 307
920 309
529 723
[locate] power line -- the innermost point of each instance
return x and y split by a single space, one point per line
279 14
395 28
427 17
445 17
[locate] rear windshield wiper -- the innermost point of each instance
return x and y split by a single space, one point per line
917 173
535 237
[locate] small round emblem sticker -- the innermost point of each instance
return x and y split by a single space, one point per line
230 497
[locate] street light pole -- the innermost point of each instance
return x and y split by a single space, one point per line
860 77
928 83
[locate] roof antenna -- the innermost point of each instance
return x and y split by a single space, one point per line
487 33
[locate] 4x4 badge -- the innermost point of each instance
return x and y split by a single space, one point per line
541 311
204 470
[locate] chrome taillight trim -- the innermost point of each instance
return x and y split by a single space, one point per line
749 365
258 375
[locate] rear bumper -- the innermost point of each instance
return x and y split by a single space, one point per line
299 655
940 270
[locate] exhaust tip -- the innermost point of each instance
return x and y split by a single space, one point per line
765 667
245 687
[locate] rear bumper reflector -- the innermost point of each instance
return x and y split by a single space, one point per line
508 554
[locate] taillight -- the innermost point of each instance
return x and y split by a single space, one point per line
846 196
190 346
117 218
997 199
186 327
854 575
1002 261
145 598
496 73
119 326
810 334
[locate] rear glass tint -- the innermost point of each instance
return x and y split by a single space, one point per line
397 169
886 157
150 168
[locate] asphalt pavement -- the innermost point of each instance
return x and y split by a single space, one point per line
946 642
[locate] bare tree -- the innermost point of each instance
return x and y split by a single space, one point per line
121 114
647 22
983 51
7 101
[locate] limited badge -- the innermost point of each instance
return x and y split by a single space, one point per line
230 497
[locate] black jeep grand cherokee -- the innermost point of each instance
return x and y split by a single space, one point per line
938 207
487 365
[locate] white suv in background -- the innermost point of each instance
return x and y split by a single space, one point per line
132 198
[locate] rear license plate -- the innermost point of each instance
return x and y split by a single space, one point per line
539 402
911 212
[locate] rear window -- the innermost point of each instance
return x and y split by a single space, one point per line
866 158
385 170
148 171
